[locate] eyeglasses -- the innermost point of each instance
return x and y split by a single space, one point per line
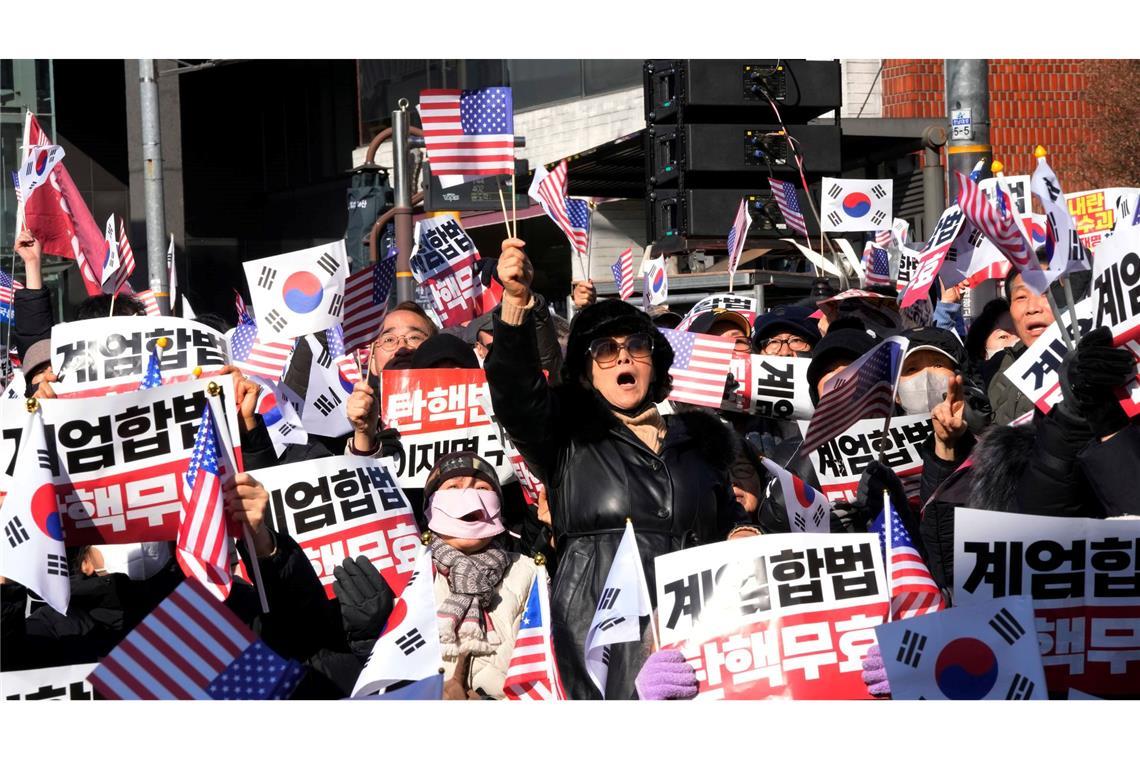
742 346
391 342
773 345
606 351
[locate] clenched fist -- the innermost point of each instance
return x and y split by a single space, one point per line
584 293
515 272
363 413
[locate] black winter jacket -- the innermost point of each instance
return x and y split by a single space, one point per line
32 317
598 475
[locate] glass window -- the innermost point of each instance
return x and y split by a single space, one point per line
536 83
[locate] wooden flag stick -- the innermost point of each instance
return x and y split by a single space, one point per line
888 542
503 205
514 209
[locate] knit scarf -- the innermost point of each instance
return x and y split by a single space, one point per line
648 426
464 625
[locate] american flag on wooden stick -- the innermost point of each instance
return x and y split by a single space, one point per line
913 590
623 274
469 132
533 673
203 539
572 215
366 294
789 203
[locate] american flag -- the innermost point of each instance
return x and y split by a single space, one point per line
469 131
572 215
153 377
864 389
366 300
913 590
623 274
16 184
344 361
8 288
876 265
254 357
533 672
882 238
243 315
203 539
149 302
1002 229
192 647
789 203
736 235
700 367
126 260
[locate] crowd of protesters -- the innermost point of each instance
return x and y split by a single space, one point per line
584 407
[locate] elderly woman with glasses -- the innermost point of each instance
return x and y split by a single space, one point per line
606 456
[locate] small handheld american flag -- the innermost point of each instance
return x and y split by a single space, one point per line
876 264
366 294
126 261
469 132
736 235
254 357
203 539
193 647
623 274
8 288
153 377
786 199
1002 229
864 389
913 590
533 672
572 215
700 367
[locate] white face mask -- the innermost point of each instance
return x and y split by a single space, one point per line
922 392
138 561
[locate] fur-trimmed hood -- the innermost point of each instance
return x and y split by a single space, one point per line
999 460
589 419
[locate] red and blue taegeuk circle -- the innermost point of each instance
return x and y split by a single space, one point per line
302 292
1036 233
658 280
856 205
45 512
267 408
966 668
41 163
805 494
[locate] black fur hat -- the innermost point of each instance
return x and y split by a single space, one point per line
608 318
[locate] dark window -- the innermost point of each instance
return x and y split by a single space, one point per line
607 75
536 83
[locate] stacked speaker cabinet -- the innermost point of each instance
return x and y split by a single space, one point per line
714 135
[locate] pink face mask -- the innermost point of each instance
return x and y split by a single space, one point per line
448 508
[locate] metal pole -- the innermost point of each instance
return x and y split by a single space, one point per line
152 186
968 88
405 285
933 179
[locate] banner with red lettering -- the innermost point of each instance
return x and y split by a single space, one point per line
444 260
343 507
94 357
785 616
1116 299
1084 577
437 411
119 462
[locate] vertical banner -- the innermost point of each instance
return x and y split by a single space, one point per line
785 616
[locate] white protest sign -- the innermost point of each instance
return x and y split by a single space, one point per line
779 616
66 683
94 357
1116 284
839 463
1084 577
119 462
985 650
341 507
771 386
1036 373
437 411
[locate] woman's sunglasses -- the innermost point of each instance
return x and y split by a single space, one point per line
605 351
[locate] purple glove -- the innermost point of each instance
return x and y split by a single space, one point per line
875 673
666 675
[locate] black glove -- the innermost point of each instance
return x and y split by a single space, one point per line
869 497
978 412
1089 376
365 600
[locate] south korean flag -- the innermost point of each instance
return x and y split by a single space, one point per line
110 256
857 205
298 293
32 550
621 605
279 408
326 393
409 650
982 651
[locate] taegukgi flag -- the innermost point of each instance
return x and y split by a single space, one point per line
298 293
857 205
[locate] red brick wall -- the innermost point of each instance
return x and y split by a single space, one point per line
1032 101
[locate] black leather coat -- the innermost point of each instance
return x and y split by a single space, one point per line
598 475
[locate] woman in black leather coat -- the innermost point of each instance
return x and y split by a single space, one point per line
606 455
